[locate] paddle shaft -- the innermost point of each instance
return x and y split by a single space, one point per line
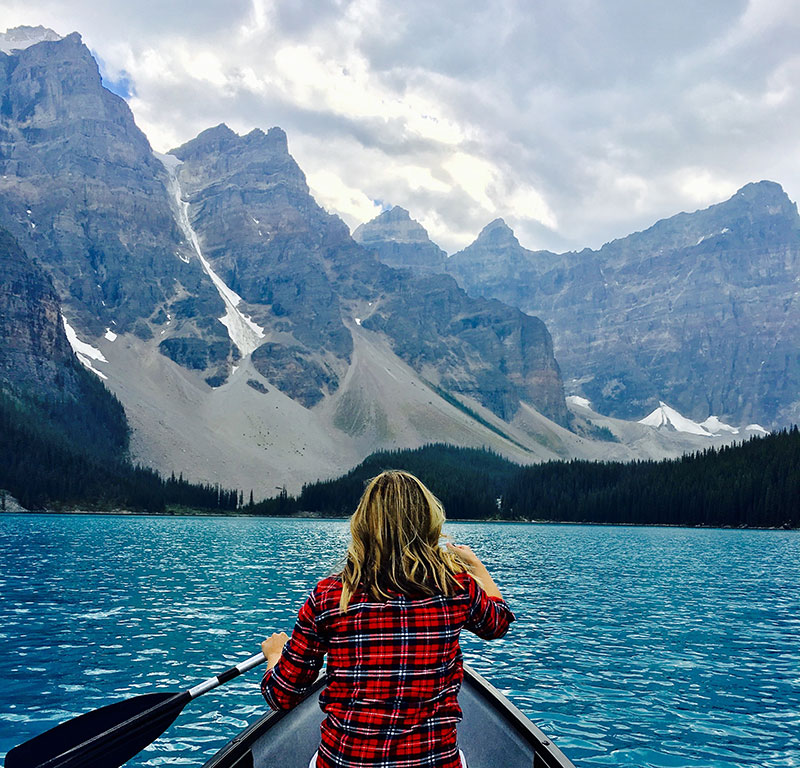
228 674
111 735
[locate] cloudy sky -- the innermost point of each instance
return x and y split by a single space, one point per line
575 120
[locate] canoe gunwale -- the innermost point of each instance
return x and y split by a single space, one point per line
546 753
240 745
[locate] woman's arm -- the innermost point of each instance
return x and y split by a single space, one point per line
293 664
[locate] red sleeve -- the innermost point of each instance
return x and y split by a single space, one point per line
488 617
291 678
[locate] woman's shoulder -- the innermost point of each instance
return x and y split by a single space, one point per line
465 579
328 589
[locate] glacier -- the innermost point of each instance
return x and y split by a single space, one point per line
243 332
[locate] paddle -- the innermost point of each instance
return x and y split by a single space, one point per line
107 737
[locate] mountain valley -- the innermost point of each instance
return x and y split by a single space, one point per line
255 343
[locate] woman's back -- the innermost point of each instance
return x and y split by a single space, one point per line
389 624
394 670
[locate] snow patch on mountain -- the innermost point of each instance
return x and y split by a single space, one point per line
756 428
716 427
19 38
581 401
84 351
665 417
713 234
243 332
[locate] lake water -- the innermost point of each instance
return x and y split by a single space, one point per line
633 646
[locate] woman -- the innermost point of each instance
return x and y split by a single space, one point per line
389 623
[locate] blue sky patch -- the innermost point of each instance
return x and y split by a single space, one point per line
122 85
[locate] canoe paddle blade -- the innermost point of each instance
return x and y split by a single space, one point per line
104 738
109 736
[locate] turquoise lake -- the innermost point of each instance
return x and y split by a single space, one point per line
633 646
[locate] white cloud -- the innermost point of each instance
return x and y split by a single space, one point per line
702 187
578 121
335 196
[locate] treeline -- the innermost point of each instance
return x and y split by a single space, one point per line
752 484
468 481
53 457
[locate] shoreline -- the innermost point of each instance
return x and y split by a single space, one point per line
313 517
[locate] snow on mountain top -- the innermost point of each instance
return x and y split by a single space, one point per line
18 38
756 428
581 401
715 426
665 417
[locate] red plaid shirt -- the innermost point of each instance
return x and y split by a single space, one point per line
393 675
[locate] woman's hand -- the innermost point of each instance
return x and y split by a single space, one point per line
476 568
273 647
465 554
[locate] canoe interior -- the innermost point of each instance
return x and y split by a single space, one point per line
493 733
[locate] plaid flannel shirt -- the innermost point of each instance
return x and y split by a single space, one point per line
393 674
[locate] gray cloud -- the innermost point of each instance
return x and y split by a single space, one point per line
575 120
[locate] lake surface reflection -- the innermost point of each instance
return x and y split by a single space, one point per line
633 646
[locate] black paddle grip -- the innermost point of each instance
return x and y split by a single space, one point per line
228 674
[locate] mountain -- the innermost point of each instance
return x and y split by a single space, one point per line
19 38
303 281
665 417
400 241
701 310
39 374
81 190
251 340
497 263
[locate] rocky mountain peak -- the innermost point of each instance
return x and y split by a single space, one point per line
767 196
19 38
396 213
400 241
497 234
270 148
711 292
395 224
216 139
276 139
109 245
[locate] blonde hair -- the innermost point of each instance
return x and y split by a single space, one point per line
395 532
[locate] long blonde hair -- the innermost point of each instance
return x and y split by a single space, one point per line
395 532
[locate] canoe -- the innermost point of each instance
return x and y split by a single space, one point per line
493 734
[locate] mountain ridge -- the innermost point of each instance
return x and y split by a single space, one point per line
707 292
105 218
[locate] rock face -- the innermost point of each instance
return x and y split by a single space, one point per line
481 349
399 241
304 280
81 191
34 352
210 281
264 235
38 368
498 263
701 310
